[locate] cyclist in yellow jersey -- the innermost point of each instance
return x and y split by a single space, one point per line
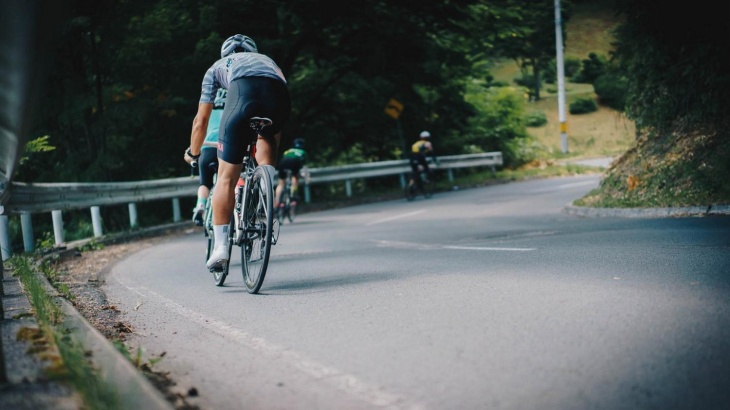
419 151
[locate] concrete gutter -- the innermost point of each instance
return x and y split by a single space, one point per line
24 386
711 210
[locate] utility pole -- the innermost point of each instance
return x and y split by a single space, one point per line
561 77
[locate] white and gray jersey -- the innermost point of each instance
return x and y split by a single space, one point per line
235 66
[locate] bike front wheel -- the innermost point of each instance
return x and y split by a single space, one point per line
258 219
427 188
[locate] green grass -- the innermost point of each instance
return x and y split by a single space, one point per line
70 365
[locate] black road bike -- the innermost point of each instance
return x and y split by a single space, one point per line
253 227
419 183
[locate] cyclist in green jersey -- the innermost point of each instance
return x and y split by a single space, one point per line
292 159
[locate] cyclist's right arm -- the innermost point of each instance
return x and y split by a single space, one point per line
212 81
200 127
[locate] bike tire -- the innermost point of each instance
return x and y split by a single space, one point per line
291 212
427 188
258 219
410 192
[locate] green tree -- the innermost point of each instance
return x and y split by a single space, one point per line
127 78
527 35
676 64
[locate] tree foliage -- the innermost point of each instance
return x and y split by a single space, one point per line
127 74
676 63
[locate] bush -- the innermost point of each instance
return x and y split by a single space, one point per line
591 68
527 81
611 89
583 106
535 119
571 66
550 73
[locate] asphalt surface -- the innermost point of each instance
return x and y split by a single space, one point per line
25 385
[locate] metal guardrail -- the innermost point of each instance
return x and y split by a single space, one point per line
46 197
28 198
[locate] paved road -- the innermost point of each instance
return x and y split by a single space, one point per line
483 298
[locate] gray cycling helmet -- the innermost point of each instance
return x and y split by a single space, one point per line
238 43
298 143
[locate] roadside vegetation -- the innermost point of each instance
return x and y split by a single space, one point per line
480 76
54 344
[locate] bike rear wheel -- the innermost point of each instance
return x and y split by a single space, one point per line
258 219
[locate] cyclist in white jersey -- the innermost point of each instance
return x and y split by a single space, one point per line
256 87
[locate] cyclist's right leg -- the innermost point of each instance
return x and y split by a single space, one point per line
294 186
281 173
222 211
279 191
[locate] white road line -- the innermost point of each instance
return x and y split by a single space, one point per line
391 218
565 186
481 248
337 379
419 246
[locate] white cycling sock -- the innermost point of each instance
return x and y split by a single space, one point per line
221 234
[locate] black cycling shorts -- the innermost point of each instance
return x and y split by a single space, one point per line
251 97
294 164
419 159
208 156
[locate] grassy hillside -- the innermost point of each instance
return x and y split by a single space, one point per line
667 170
603 133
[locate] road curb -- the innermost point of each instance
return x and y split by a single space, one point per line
672 212
135 390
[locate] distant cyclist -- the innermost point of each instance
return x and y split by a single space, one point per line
420 150
208 155
292 159
256 87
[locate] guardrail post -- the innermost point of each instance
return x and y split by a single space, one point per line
57 226
307 194
96 221
5 248
403 181
27 226
176 209
450 173
348 188
132 215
